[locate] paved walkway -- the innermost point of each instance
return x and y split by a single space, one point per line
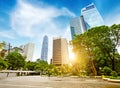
54 82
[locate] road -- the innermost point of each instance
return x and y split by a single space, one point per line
54 82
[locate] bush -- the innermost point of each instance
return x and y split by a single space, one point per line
107 70
114 74
3 64
118 73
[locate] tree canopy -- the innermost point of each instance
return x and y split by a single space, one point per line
99 46
15 61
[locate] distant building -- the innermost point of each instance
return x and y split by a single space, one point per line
5 52
91 16
60 51
17 49
75 27
44 50
28 51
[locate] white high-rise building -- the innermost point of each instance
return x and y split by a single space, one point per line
92 16
28 51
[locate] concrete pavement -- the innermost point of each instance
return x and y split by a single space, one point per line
54 82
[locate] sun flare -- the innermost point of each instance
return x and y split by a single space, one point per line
71 54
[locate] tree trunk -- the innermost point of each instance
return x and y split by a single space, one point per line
93 68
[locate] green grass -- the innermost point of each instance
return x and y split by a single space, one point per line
111 77
118 77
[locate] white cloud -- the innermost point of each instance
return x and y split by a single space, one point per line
27 19
34 22
7 34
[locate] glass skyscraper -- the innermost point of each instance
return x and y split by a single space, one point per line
83 24
44 51
75 27
91 16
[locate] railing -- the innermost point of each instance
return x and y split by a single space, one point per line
18 72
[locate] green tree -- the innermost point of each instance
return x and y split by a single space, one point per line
115 37
30 65
3 64
98 45
42 66
15 61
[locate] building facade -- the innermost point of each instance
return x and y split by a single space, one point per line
91 16
44 50
60 52
83 24
28 51
75 27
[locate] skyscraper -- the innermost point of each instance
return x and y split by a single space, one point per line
28 51
75 27
44 50
60 51
83 24
91 16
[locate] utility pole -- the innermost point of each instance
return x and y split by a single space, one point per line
9 47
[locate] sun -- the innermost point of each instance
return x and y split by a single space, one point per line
71 54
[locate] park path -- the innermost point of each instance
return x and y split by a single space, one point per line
54 82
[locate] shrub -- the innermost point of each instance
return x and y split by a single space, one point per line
3 64
114 74
107 70
118 73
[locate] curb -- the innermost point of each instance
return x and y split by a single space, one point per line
111 80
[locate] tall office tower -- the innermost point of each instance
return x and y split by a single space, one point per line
60 51
28 51
44 50
91 16
83 24
75 27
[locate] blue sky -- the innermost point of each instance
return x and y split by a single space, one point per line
23 21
